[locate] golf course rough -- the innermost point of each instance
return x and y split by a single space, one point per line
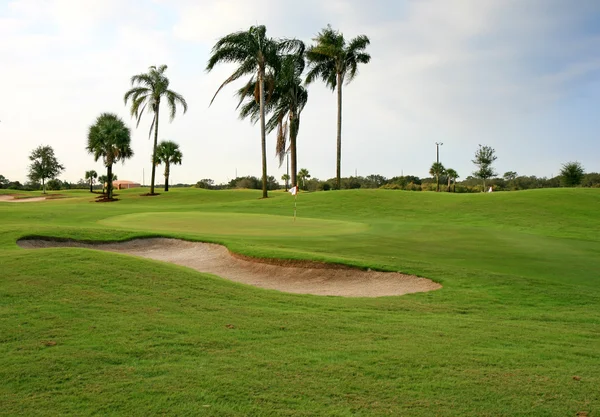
513 332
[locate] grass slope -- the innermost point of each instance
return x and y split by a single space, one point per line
84 332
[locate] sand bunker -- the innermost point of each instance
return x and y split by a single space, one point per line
12 199
300 278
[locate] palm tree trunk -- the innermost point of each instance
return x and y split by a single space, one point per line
448 183
263 136
154 149
293 135
339 132
109 181
437 180
44 185
91 187
166 176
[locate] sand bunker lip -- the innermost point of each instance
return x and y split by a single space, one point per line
301 278
12 199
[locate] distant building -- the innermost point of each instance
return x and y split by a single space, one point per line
124 184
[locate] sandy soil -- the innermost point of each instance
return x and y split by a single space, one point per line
12 199
302 278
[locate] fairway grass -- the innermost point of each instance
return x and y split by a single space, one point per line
514 331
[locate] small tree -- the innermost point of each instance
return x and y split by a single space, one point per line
303 175
437 170
44 165
3 182
168 153
452 176
571 174
110 139
484 158
285 178
91 176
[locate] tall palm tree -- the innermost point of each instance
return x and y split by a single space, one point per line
257 56
168 153
452 176
149 89
303 175
91 176
334 61
110 139
286 102
437 170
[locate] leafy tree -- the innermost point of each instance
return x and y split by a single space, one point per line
484 158
4 181
257 55
149 89
452 176
44 165
510 175
285 178
303 175
375 181
168 153
571 174
286 100
110 139
206 183
90 176
334 61
437 170
54 184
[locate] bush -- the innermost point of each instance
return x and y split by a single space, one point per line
54 185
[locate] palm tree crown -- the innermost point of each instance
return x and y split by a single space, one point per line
110 139
149 89
168 153
258 56
334 61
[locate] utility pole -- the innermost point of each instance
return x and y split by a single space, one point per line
437 145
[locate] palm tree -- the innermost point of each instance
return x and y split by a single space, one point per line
303 175
258 56
103 179
168 153
151 88
285 178
91 176
335 62
286 101
110 140
452 176
437 169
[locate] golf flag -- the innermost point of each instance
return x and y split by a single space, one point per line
294 191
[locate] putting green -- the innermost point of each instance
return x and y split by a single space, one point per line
239 224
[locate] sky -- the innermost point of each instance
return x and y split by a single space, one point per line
522 76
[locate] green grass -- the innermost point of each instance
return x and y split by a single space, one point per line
91 333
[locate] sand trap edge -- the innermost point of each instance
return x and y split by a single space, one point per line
293 276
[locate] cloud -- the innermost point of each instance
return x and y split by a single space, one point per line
499 72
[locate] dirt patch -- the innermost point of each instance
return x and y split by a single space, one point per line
106 200
301 278
13 199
